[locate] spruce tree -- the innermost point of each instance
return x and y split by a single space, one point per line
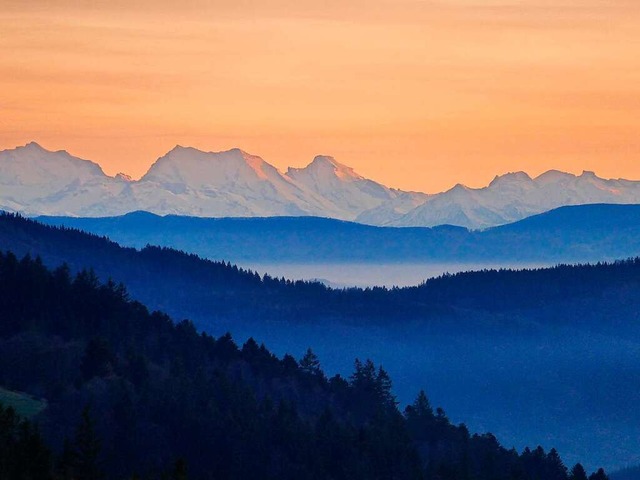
599 475
578 473
310 363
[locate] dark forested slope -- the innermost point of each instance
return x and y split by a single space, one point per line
629 473
219 296
130 391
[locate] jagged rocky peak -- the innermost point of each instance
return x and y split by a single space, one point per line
459 188
32 146
519 177
553 176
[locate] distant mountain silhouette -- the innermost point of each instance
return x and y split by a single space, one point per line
586 233
190 182
187 181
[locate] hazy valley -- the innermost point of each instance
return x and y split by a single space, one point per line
551 335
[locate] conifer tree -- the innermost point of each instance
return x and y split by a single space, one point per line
310 363
599 475
578 473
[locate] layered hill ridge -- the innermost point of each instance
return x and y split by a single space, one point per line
234 183
533 342
155 390
583 233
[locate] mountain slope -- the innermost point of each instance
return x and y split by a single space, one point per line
132 391
34 181
232 183
187 181
515 196
350 194
568 234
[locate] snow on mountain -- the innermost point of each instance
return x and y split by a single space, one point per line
514 196
393 209
350 194
187 181
36 181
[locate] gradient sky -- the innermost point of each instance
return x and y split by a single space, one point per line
416 94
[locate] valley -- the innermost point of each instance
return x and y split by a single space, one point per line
543 349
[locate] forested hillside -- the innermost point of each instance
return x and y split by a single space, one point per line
629 473
220 296
131 392
558 349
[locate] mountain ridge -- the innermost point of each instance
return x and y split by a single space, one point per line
585 233
188 181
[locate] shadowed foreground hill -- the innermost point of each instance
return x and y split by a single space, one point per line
131 391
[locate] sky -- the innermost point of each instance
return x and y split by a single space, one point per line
416 94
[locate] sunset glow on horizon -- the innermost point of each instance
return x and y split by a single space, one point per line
418 95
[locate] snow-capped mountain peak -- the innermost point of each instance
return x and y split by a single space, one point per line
511 178
197 168
188 181
31 164
514 196
553 176
227 183
348 193
324 167
34 180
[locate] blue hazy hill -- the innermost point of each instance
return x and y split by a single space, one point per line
629 473
584 233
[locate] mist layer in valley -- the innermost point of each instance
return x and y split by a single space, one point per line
345 275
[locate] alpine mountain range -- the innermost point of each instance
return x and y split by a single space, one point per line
186 181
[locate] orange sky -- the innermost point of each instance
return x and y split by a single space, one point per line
417 94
